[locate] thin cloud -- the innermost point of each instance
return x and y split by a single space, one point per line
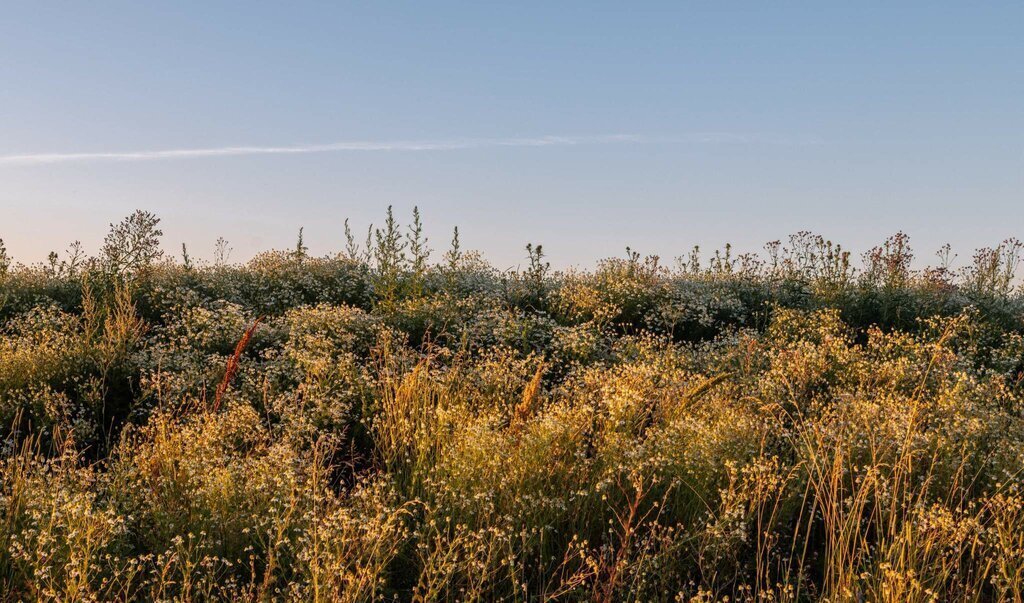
385 146
333 147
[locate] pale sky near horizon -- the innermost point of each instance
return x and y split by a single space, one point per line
586 127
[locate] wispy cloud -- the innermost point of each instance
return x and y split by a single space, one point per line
333 147
383 146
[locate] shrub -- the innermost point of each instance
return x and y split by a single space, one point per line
371 427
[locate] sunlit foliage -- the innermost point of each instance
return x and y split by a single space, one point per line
777 427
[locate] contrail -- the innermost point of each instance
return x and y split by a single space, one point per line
407 145
401 145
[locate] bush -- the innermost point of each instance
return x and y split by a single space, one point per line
371 427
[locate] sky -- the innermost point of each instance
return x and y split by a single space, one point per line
582 126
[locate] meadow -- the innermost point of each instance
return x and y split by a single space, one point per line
393 422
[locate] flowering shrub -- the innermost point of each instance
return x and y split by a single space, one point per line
785 428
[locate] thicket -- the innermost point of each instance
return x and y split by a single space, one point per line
373 425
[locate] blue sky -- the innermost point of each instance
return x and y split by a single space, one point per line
582 126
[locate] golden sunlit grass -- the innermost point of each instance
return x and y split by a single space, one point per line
323 429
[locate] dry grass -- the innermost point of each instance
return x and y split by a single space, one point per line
791 430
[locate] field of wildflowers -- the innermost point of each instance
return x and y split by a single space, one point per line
376 425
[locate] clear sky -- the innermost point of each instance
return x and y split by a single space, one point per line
583 126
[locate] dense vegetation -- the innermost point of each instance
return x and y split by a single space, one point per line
374 425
